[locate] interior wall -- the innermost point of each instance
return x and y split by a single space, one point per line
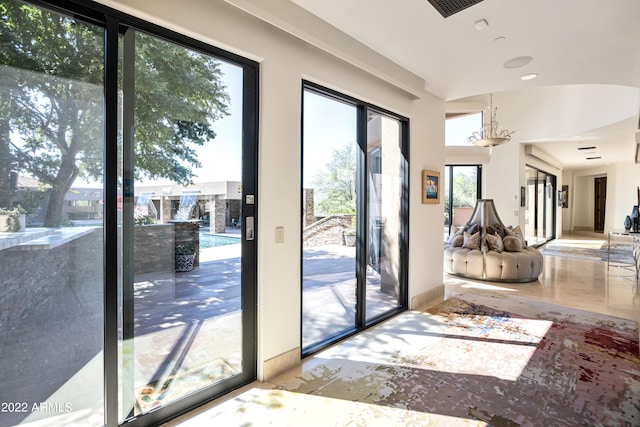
502 183
284 62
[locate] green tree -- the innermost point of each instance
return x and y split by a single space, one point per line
51 79
335 186
464 190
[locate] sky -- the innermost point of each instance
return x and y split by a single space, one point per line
221 158
328 125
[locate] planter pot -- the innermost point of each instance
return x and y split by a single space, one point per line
4 226
184 262
350 239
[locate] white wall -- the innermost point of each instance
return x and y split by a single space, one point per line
623 180
284 62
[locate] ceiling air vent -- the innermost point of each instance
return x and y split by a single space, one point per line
450 7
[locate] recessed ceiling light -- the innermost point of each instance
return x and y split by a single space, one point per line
518 62
481 24
529 76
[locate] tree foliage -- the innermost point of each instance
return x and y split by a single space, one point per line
335 186
52 96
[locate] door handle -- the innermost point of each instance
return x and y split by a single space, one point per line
249 235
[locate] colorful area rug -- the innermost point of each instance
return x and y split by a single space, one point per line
173 387
482 357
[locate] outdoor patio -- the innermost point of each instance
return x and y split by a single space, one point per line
182 322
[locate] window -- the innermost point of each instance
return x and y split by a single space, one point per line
462 187
355 216
117 308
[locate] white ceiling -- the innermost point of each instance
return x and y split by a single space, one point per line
586 52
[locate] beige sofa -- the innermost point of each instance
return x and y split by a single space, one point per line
487 250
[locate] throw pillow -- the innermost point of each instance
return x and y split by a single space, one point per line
471 241
455 232
512 244
495 242
516 232
458 241
471 228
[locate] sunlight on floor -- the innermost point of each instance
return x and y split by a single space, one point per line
284 408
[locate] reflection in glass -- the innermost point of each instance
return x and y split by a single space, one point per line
51 217
384 194
329 263
539 211
180 223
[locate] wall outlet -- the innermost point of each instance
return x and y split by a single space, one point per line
516 212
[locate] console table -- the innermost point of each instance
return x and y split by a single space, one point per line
635 238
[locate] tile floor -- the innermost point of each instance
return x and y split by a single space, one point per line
572 282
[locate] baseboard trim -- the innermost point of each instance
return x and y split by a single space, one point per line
279 364
427 299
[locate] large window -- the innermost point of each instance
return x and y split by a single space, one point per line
354 216
128 161
462 188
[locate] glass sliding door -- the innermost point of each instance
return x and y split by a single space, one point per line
462 186
51 218
354 216
540 206
127 218
186 228
384 220
329 194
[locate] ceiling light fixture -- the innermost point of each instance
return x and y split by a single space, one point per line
491 133
529 76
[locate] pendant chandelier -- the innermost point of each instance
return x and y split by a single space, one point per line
492 133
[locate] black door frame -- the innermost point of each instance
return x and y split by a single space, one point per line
115 24
362 209
554 201
450 192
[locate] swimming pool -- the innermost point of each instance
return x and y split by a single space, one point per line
212 240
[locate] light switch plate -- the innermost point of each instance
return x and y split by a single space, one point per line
279 234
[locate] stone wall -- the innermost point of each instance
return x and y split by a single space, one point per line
308 206
328 231
51 317
154 248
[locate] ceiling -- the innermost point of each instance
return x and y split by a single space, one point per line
586 54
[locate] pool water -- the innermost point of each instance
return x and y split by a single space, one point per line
211 240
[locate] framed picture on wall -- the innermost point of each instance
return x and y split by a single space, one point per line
430 186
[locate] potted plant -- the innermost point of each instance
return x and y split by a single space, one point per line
185 255
350 237
12 220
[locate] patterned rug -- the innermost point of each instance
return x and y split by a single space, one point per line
173 387
618 253
481 357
